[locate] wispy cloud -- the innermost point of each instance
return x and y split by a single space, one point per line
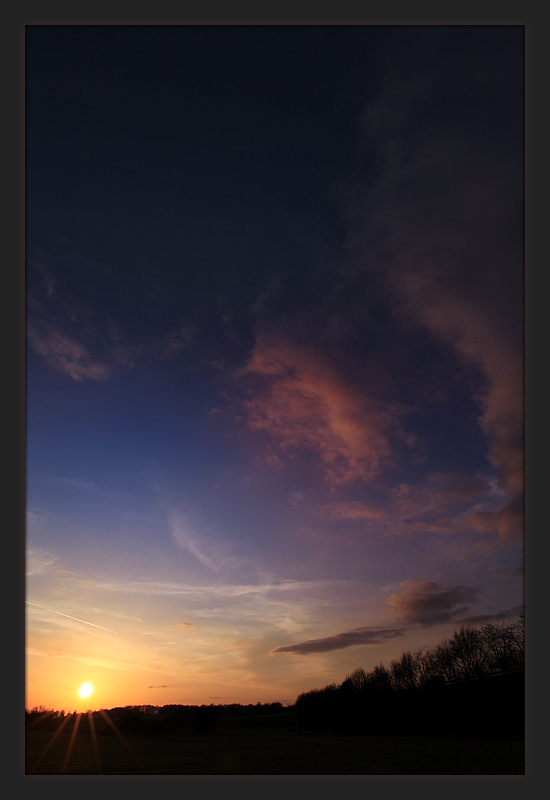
78 340
497 616
68 616
173 342
227 590
37 561
66 354
215 556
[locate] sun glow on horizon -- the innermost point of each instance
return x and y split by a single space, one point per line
85 690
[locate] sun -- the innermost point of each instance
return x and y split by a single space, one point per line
85 690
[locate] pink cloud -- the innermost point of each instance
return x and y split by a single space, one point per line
444 503
356 510
297 396
508 522
444 223
467 325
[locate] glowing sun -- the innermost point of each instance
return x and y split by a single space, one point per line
85 690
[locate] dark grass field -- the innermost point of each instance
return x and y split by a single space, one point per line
269 752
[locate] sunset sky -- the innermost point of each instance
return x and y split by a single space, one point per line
275 353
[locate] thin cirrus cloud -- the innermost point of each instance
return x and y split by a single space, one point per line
38 561
285 604
293 393
215 556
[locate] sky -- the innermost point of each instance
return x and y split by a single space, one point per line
274 353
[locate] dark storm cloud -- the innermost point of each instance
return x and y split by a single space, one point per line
358 636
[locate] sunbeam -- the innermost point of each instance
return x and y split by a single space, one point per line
94 739
52 740
71 743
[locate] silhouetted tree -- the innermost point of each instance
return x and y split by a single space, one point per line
404 672
451 688
469 654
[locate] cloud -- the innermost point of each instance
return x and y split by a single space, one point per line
68 616
508 522
298 396
79 340
37 561
427 603
442 503
295 498
215 556
66 354
420 603
356 510
481 619
357 636
506 574
172 343
443 221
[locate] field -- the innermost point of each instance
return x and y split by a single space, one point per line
268 751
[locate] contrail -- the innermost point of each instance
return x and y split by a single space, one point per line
69 617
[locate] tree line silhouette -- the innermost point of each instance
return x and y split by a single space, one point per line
472 683
173 718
